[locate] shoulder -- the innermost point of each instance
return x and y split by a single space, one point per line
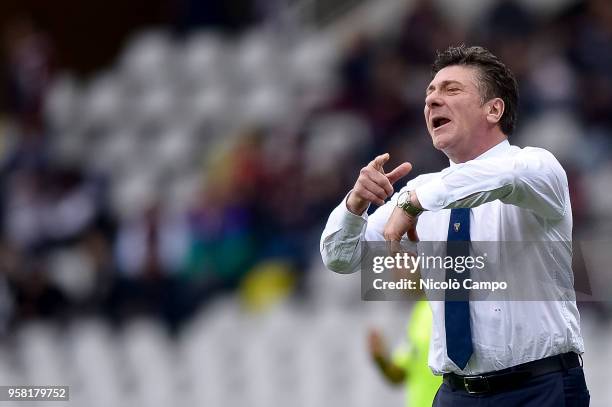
534 152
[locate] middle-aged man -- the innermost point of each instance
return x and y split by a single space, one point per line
511 353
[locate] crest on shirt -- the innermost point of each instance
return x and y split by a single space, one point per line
457 225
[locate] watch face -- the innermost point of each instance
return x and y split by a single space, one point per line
402 198
404 203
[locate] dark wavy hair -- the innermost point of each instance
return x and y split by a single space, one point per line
495 78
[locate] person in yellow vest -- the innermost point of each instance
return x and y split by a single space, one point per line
408 363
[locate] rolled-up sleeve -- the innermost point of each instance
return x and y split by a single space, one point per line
532 179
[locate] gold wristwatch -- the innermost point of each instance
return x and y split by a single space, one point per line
403 201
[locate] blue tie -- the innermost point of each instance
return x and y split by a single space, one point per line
456 306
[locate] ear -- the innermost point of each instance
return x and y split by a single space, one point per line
494 110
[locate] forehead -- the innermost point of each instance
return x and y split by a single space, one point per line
465 75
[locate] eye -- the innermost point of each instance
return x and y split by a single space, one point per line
452 90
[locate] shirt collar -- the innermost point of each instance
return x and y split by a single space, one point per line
496 150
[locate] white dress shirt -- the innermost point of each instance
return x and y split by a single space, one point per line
516 194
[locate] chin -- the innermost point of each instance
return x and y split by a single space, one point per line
447 135
440 142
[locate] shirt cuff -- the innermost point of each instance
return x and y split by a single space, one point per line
432 195
353 223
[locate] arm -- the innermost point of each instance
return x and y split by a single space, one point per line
394 373
532 179
344 230
348 224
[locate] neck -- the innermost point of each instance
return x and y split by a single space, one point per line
473 151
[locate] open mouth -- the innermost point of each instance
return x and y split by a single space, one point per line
439 122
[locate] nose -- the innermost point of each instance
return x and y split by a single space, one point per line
433 100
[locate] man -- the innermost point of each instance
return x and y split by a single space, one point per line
502 353
408 364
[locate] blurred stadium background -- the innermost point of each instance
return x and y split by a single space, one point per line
167 167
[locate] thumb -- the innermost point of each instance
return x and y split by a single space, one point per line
399 172
380 160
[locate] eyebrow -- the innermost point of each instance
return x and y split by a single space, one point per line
443 84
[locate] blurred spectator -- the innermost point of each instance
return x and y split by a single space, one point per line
232 15
149 251
424 31
48 206
589 34
30 69
408 364
36 296
506 29
355 72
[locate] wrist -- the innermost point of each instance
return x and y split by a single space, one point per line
356 205
414 200
380 360
409 203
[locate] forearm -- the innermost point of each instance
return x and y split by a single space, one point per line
531 180
341 239
393 373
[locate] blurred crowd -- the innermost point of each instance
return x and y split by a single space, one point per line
199 164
